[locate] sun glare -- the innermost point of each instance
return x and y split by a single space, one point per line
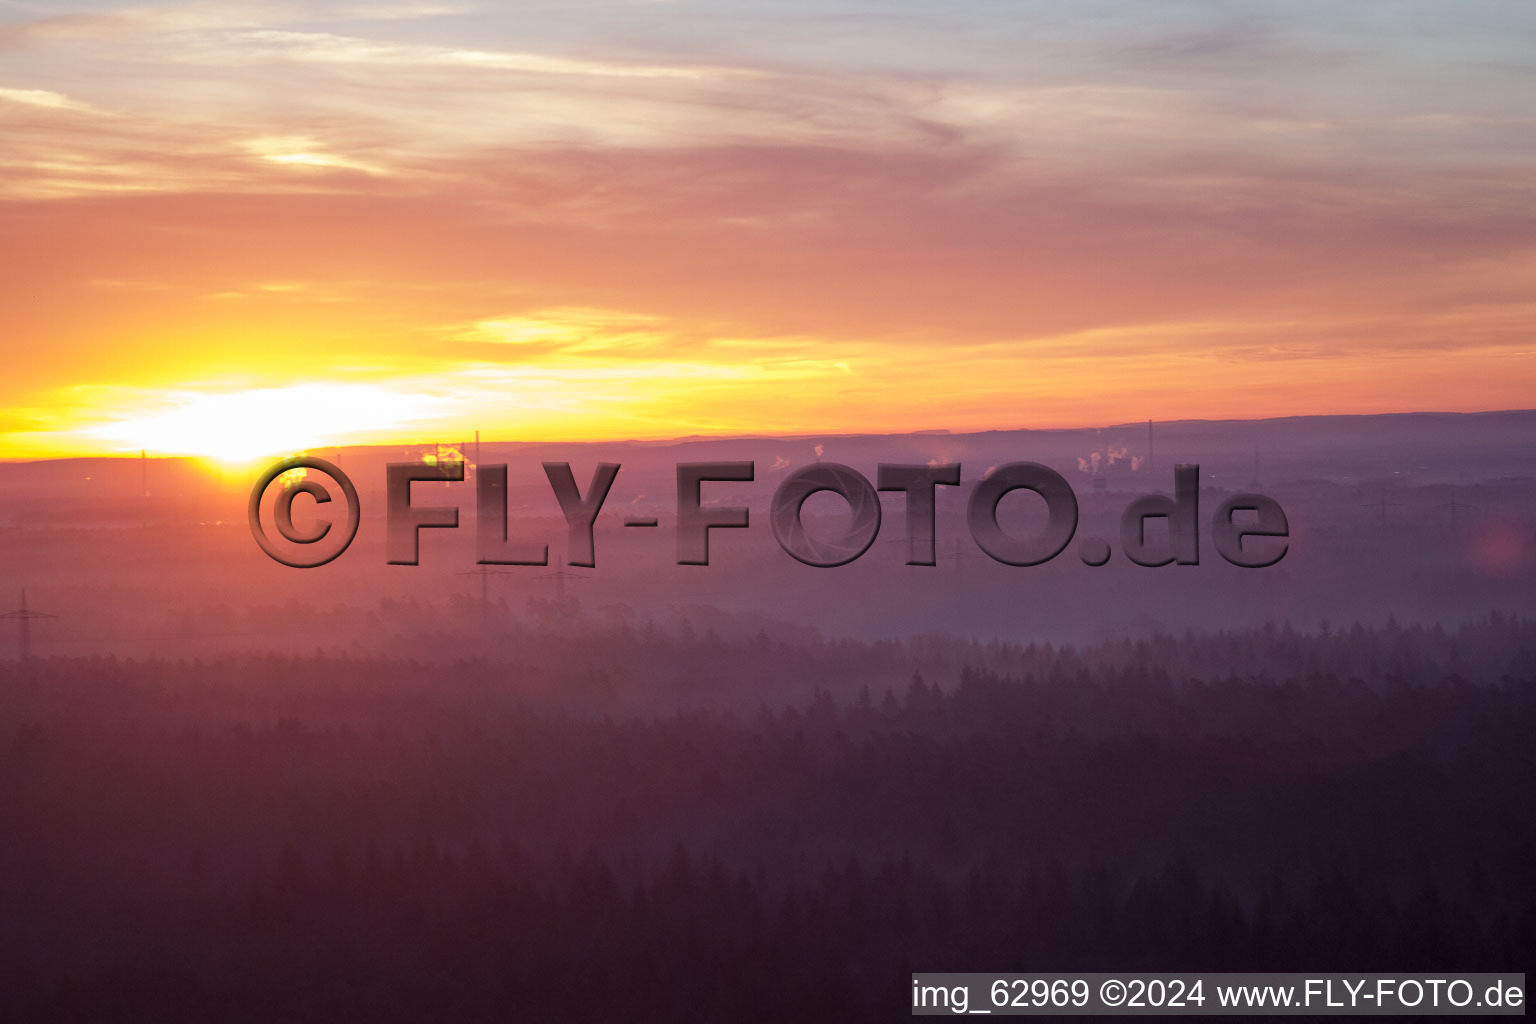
240 426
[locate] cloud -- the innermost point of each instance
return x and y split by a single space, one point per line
302 151
570 331
44 98
324 48
209 15
426 114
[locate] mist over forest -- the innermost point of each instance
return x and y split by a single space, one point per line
387 837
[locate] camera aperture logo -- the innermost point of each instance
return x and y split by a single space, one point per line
1259 540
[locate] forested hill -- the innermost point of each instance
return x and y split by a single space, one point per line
390 838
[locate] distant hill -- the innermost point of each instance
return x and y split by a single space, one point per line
1418 448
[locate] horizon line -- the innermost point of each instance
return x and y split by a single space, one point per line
798 436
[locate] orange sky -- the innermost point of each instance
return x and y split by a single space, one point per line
243 229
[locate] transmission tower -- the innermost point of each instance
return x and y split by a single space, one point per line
24 617
1456 511
485 572
560 578
1382 507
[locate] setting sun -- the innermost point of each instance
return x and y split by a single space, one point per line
244 425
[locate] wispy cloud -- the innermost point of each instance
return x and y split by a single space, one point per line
44 98
324 48
204 16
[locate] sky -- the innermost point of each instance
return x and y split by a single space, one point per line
243 229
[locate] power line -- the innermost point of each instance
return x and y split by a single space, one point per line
1456 511
485 572
24 617
560 577
1382 505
